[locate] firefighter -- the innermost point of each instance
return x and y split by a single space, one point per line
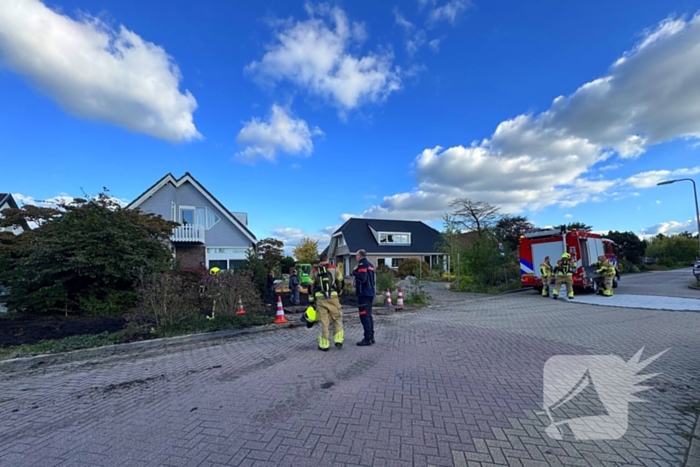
546 272
564 271
324 292
607 270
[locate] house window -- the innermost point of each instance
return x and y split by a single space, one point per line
396 262
218 263
235 263
380 262
394 238
201 216
341 241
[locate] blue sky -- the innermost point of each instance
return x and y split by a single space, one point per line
558 111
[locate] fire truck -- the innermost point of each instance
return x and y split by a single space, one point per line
584 248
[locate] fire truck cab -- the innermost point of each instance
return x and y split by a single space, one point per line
584 248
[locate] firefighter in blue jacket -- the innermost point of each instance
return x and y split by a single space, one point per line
365 291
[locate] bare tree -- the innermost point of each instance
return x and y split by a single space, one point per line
474 215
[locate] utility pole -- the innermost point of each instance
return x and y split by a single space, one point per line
695 197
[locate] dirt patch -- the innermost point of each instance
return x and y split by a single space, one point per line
31 330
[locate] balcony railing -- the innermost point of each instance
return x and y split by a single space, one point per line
188 233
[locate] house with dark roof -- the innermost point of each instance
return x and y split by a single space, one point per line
387 242
209 234
8 202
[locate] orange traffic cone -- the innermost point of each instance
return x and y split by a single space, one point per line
388 298
241 310
399 300
280 318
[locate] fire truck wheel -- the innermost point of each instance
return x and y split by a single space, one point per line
538 289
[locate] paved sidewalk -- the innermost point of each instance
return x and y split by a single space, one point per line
647 302
456 384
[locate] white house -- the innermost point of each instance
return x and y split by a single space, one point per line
209 234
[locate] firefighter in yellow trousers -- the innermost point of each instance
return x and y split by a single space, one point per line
608 272
546 273
325 289
564 271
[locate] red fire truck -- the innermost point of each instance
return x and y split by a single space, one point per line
584 248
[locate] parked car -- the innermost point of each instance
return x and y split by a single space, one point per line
696 269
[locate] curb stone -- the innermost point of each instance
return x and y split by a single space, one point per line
34 361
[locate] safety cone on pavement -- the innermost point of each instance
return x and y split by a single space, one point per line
388 298
280 318
241 310
399 300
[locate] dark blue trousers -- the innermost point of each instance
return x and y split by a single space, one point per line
365 306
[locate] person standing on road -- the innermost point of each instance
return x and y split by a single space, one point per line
564 271
365 291
294 286
546 273
607 270
324 292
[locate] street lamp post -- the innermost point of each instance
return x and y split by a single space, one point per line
695 193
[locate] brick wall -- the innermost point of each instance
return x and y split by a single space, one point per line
190 256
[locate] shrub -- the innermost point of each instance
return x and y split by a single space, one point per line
383 268
227 287
165 299
410 267
385 280
84 257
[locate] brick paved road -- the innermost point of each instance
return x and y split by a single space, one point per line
456 384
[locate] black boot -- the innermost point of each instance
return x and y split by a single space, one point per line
364 343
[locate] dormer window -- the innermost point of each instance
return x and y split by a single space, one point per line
394 238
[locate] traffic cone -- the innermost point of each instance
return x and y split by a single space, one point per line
280 318
399 300
241 310
388 298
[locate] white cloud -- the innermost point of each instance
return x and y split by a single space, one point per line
532 161
292 236
54 201
281 133
402 21
670 228
313 56
416 42
96 72
447 12
435 45
568 216
652 177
